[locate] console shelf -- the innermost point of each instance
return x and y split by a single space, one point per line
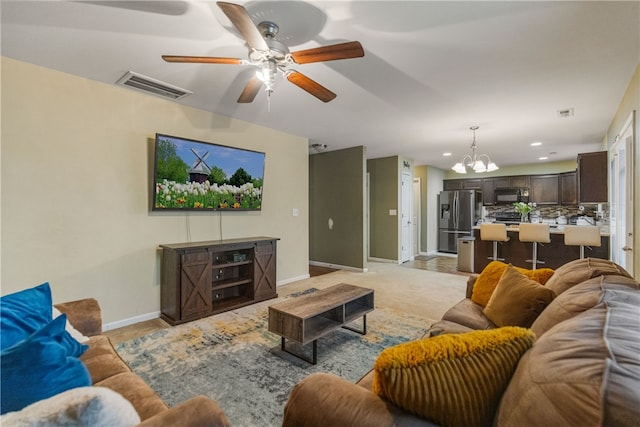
203 278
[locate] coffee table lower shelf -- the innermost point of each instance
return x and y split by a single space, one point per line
314 358
307 318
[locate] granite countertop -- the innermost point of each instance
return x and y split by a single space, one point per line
553 229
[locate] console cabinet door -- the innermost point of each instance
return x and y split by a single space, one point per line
195 285
264 273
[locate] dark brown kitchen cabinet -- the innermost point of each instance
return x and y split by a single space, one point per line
592 177
520 181
472 184
488 195
568 188
203 278
544 189
452 184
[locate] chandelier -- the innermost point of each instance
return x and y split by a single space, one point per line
474 160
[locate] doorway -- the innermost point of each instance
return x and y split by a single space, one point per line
621 173
406 214
415 218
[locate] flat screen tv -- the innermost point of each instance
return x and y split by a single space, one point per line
198 175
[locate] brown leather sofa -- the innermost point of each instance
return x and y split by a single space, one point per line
107 369
582 370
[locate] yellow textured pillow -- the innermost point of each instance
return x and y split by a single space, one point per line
452 379
517 300
488 279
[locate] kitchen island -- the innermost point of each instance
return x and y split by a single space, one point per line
554 254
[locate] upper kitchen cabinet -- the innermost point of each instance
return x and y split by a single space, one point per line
488 195
568 188
462 184
592 177
452 184
544 189
519 181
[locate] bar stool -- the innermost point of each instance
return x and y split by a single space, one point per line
496 233
536 233
582 235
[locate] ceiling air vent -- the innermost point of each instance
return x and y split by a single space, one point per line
152 86
566 113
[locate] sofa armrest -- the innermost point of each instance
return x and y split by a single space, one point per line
323 399
471 281
199 411
84 314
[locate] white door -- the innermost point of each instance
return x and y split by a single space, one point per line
621 174
415 217
406 217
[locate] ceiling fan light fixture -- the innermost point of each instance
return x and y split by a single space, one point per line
473 161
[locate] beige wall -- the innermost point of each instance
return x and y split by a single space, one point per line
76 185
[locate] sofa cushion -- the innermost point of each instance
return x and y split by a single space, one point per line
517 300
145 401
469 314
584 296
39 367
582 372
452 379
446 327
82 406
102 360
574 272
488 279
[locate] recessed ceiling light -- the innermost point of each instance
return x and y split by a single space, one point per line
543 158
446 154
535 144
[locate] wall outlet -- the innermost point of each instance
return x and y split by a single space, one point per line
295 212
393 212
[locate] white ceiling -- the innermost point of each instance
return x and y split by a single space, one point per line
430 71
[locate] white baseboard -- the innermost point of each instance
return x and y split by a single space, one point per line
388 261
130 321
338 266
292 279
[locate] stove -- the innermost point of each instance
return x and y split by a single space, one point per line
508 217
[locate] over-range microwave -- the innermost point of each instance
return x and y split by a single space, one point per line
507 196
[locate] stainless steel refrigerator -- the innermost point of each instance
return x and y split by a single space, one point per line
458 211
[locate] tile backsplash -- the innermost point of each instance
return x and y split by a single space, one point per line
553 211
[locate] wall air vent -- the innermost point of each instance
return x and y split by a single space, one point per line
152 86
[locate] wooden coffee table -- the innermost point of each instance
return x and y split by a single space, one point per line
309 317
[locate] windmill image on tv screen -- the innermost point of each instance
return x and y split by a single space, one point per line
198 175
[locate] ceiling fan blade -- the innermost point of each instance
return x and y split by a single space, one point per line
329 53
250 90
202 59
314 88
239 17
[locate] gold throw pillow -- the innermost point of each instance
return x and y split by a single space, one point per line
453 379
517 300
488 279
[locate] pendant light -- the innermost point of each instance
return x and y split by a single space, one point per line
474 161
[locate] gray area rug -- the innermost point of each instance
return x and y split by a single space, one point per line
236 361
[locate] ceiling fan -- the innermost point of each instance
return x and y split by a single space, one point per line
270 56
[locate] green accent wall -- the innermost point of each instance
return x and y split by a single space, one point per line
337 194
383 196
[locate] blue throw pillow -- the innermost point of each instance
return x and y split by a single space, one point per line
25 312
39 367
22 313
